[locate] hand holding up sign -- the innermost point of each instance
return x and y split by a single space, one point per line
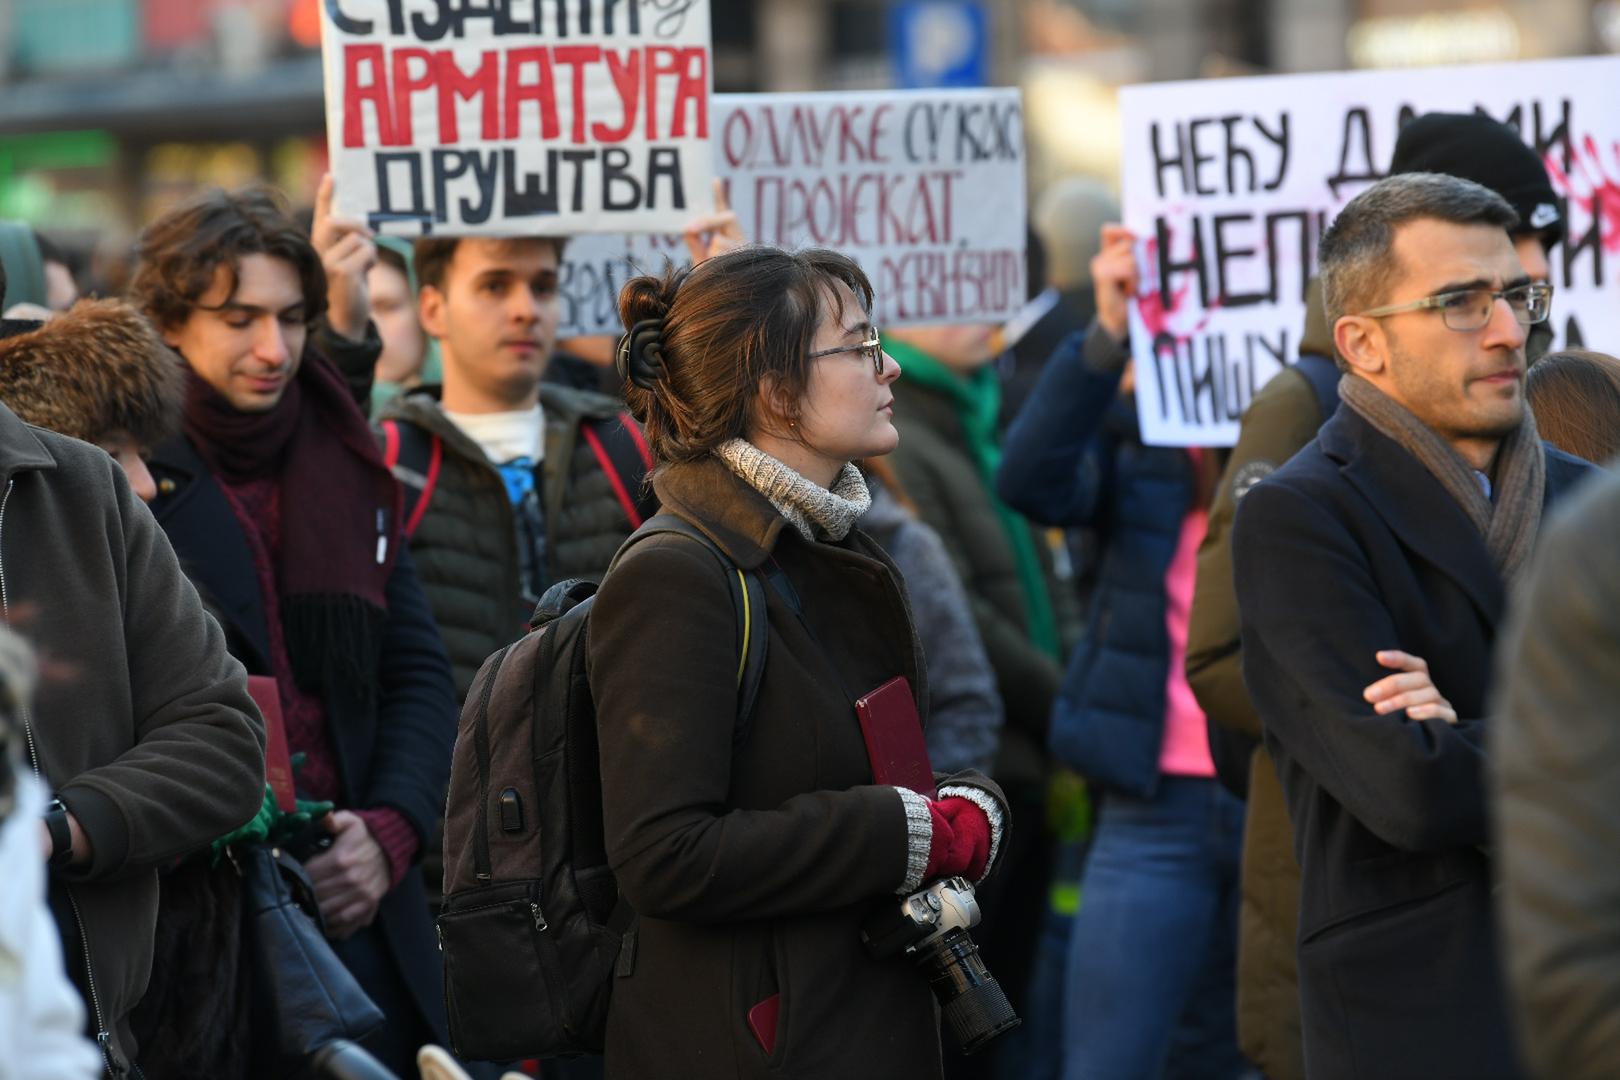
1114 277
348 254
714 234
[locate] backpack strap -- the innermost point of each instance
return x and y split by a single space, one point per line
481 746
414 456
1323 375
748 596
622 452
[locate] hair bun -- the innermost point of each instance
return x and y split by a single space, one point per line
644 303
640 357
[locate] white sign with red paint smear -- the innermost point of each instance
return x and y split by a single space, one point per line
518 118
925 189
1229 184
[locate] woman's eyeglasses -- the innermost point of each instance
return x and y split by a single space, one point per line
871 350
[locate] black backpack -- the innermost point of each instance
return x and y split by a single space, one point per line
532 927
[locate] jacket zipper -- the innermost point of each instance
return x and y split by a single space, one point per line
103 1035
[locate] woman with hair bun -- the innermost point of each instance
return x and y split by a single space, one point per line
751 853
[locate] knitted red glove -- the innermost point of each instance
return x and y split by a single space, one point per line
961 842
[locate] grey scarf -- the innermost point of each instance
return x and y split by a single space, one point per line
810 508
1509 525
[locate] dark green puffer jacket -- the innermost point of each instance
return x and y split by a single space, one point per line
465 547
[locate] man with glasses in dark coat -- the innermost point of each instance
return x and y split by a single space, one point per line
1388 544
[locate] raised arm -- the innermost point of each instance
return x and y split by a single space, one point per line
1053 468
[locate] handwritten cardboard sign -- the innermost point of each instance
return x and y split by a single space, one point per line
924 189
518 117
1230 184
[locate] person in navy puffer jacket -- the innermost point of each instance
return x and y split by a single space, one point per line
1149 986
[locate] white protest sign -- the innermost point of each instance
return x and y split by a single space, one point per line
1230 183
518 117
925 189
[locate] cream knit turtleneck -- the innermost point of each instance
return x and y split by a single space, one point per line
815 512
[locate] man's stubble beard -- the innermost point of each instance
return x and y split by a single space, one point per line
1462 427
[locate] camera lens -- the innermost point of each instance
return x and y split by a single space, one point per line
974 1008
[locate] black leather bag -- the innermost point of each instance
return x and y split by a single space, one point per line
303 995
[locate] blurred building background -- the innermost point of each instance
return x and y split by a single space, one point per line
111 109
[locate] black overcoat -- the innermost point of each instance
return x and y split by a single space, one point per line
396 754
1351 548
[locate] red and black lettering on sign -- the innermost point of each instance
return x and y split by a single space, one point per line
463 115
516 92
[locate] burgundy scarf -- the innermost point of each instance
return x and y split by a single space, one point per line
340 509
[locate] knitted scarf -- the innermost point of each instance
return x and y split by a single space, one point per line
1507 525
977 400
811 509
339 521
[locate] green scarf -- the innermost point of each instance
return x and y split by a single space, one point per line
977 398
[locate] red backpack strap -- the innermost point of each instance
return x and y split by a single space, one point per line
621 451
638 437
620 492
414 456
390 443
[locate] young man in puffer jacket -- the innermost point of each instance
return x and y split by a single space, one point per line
511 485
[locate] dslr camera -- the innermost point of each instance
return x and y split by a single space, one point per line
931 926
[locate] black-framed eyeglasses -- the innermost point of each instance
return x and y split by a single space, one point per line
871 350
1470 309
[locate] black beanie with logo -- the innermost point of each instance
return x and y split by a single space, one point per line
1475 147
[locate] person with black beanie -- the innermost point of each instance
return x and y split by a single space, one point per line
1475 147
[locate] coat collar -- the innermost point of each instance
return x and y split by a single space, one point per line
20 449
736 517
203 529
1415 506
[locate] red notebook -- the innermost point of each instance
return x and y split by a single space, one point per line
277 760
762 1020
894 737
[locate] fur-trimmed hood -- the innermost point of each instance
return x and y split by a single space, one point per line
93 370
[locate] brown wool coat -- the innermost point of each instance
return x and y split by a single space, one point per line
750 869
